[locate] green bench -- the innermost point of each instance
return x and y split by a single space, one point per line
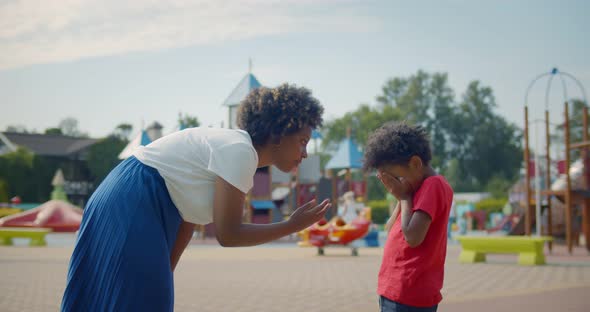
528 248
37 235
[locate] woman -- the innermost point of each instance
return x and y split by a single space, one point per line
142 216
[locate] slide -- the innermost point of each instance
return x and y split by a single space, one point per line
60 216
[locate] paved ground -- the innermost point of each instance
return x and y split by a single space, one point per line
280 277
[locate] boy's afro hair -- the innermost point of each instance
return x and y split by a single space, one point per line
395 143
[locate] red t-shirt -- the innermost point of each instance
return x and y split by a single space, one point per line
414 276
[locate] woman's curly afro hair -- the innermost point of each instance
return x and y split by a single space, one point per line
268 114
395 143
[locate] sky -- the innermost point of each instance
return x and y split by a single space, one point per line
107 62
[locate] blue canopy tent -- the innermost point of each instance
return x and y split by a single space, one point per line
348 156
247 84
142 139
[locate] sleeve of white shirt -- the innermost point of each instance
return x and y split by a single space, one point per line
236 164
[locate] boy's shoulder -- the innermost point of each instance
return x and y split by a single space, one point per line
436 182
438 179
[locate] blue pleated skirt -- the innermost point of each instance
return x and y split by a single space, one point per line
121 261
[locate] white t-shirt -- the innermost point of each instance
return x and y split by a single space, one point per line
191 159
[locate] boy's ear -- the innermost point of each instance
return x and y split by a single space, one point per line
416 162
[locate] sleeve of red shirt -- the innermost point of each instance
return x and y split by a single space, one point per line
431 198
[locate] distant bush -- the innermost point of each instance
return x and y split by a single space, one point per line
498 186
3 191
379 211
490 205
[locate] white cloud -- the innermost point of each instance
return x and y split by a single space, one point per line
33 32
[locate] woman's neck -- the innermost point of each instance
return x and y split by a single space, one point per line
264 155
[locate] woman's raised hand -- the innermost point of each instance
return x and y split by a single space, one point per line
309 214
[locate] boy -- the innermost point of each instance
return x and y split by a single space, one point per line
412 270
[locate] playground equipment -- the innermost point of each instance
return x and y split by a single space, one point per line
36 235
57 215
507 223
529 249
563 190
7 209
336 232
347 157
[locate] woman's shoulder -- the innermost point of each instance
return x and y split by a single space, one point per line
224 136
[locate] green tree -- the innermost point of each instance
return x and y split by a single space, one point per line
122 131
409 95
53 131
459 180
498 186
471 143
69 127
29 176
485 144
376 189
362 122
103 157
424 99
576 115
3 191
442 115
16 168
17 129
44 169
576 120
187 121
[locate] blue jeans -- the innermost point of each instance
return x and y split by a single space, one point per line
387 305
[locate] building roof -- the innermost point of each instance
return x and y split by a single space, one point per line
247 84
49 144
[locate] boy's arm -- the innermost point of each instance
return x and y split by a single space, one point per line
415 224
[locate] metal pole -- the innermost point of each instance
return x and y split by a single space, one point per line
568 192
586 160
548 178
537 184
527 179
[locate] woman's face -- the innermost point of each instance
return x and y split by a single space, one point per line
291 150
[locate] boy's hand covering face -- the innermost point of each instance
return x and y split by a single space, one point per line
399 187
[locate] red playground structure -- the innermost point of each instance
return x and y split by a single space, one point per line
57 215
336 232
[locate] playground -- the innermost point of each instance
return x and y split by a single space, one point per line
364 151
494 259
550 203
